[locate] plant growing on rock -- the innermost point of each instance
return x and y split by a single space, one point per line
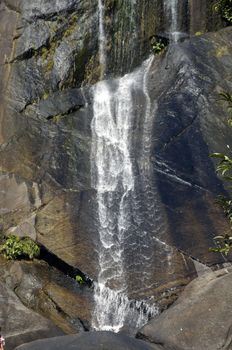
79 279
223 243
158 47
224 7
15 247
224 168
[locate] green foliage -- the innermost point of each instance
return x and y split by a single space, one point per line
224 7
223 243
225 164
158 47
199 33
14 247
226 97
226 205
79 279
72 24
224 168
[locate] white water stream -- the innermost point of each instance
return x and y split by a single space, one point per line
171 12
101 38
126 238
113 178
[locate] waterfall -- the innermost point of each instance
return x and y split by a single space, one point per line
127 34
172 14
113 178
101 38
118 216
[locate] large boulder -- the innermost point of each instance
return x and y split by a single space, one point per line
20 324
199 320
51 293
89 341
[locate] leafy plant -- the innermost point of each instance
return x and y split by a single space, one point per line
224 7
15 247
226 97
158 47
226 205
224 243
79 279
224 168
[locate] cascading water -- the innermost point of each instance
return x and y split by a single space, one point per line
113 178
126 234
172 13
127 34
172 6
101 38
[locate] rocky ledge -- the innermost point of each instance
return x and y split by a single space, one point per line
22 324
199 320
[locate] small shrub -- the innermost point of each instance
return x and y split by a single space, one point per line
224 168
15 248
79 279
224 7
223 244
158 47
226 97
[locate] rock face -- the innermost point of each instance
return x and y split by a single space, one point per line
50 293
19 324
187 128
200 319
89 341
49 63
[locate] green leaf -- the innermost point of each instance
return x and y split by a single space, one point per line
219 237
217 155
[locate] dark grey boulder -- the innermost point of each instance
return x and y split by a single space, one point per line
44 9
19 324
89 341
199 320
50 292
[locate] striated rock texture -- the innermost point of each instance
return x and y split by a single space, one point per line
49 62
190 124
49 292
200 319
20 324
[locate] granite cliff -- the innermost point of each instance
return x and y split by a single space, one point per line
49 69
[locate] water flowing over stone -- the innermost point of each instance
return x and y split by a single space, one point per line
121 48
127 41
125 248
101 38
174 12
115 311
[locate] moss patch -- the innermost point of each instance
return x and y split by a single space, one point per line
222 51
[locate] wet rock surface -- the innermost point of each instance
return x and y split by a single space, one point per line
187 128
200 319
90 341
